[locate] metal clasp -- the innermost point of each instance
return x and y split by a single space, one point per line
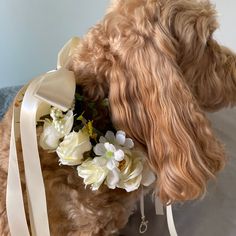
143 226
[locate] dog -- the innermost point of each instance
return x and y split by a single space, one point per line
160 67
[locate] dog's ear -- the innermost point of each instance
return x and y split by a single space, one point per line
152 103
132 55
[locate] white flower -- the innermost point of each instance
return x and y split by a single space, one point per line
74 145
95 172
92 173
113 173
109 157
63 123
134 172
109 153
49 139
118 140
54 130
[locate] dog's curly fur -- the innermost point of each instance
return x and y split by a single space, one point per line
158 64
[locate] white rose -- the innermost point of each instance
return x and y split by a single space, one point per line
53 131
93 173
130 173
133 172
74 145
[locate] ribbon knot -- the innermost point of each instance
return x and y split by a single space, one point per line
57 88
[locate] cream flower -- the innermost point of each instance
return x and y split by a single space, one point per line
74 145
92 173
56 129
49 139
119 140
134 172
63 123
128 174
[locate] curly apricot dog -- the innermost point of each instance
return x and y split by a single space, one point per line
159 66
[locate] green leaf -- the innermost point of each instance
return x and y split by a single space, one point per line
79 97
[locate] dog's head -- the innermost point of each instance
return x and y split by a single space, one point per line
141 56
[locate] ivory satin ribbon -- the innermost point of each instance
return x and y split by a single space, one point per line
14 199
55 88
159 208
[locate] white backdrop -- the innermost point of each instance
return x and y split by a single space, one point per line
32 32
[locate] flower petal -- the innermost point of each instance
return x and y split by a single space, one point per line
109 147
110 136
112 178
100 161
70 161
49 139
136 171
119 155
120 137
111 164
129 143
69 120
99 149
92 174
133 184
102 139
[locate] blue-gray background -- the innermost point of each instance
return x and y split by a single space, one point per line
33 31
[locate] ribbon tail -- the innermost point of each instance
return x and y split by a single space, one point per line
33 173
158 206
170 221
55 88
14 198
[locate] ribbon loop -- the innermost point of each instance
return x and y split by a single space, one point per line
57 88
66 52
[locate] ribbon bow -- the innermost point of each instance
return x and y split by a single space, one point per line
55 88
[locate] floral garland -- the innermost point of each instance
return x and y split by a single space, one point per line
101 154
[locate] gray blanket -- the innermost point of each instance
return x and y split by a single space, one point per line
6 97
215 215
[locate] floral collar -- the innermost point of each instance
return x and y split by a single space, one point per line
85 137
